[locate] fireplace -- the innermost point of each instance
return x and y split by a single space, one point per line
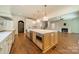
64 30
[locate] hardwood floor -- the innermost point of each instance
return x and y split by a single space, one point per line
67 44
23 45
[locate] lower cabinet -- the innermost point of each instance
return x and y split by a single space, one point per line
45 41
5 46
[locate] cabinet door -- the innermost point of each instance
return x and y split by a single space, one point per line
6 46
13 36
46 41
3 47
33 36
54 38
9 42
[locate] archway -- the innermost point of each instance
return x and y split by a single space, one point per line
20 26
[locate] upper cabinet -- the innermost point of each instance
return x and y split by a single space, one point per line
5 12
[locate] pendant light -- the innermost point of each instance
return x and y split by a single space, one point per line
45 18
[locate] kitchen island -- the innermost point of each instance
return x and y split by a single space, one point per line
44 39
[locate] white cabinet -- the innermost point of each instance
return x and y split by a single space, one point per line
5 45
2 47
1 24
8 25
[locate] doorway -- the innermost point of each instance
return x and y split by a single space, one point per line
20 27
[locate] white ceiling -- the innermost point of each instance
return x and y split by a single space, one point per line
35 11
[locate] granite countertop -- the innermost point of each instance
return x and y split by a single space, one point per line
4 35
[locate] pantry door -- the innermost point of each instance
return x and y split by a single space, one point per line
20 27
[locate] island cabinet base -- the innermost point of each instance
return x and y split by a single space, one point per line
53 46
45 41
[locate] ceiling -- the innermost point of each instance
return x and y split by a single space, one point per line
35 11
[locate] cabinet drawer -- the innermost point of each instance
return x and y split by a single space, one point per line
3 47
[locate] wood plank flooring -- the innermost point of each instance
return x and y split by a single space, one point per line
23 45
67 44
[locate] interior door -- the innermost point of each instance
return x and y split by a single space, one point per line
20 27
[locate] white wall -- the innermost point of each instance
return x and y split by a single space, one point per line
15 21
28 23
